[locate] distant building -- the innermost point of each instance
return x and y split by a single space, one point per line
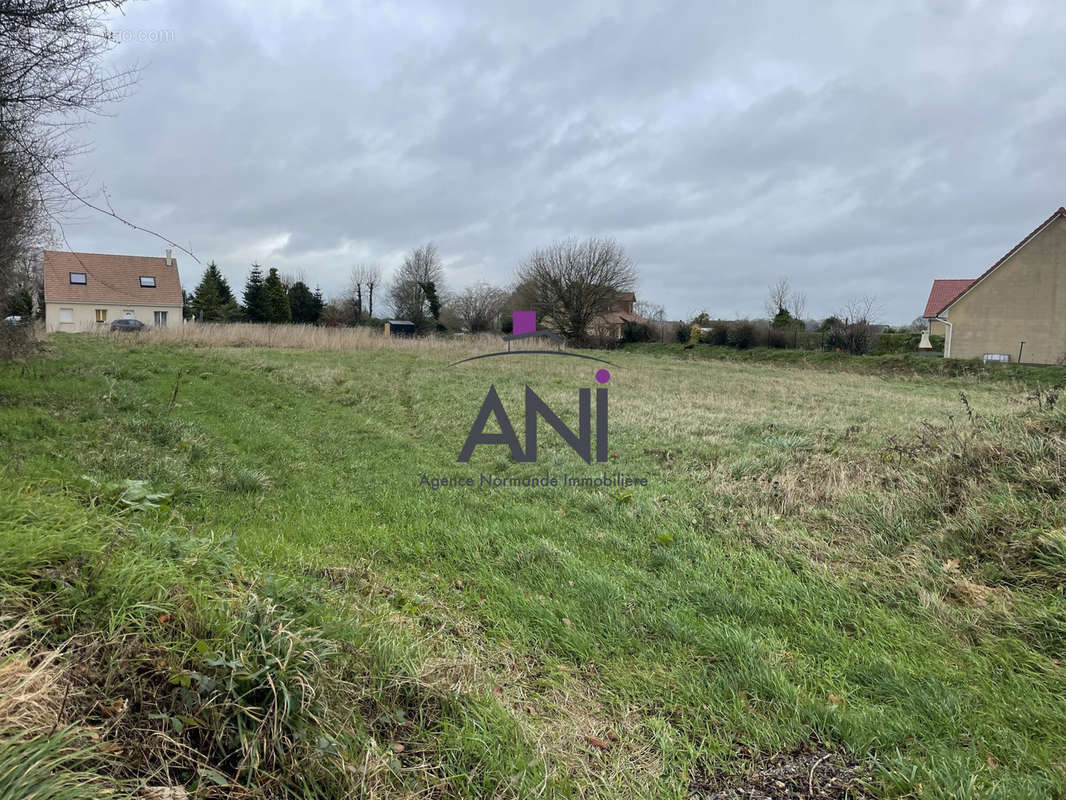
400 327
1015 310
611 324
89 291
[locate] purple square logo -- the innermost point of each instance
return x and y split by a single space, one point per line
523 322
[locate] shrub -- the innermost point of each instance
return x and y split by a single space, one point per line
783 319
719 335
741 335
17 340
779 338
855 338
829 323
903 343
636 332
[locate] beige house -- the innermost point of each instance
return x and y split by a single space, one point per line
89 291
1016 310
611 324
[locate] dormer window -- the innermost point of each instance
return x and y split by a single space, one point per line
148 281
77 277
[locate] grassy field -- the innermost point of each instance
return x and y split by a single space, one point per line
902 364
219 570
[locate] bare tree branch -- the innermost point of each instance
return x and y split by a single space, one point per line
51 79
572 282
479 307
409 293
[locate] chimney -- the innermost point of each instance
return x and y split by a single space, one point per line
170 261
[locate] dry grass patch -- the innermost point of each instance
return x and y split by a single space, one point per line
301 337
33 683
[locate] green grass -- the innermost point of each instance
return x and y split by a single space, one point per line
840 554
901 364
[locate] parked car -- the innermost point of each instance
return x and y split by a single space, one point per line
14 319
128 325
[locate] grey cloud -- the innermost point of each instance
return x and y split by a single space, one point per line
856 149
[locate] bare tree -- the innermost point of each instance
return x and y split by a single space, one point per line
371 278
777 299
851 329
355 290
52 50
289 279
655 315
572 282
52 81
49 76
21 221
364 278
798 305
418 286
864 309
479 307
782 297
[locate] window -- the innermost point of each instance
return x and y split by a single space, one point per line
161 319
101 315
148 281
66 315
77 277
995 357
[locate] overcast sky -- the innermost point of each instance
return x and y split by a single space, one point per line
855 148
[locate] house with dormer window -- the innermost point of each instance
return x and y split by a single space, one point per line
89 291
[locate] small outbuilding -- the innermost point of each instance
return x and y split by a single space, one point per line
399 327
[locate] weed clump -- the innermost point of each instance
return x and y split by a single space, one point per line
241 480
992 488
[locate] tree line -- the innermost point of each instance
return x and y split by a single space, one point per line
273 298
851 330
568 283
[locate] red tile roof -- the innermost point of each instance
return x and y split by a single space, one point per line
943 292
619 317
111 279
935 307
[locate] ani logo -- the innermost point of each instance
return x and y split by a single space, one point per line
525 327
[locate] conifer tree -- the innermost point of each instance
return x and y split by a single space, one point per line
277 299
306 307
255 298
213 300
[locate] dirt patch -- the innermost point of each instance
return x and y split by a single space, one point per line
808 770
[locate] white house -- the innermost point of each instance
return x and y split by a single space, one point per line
86 291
